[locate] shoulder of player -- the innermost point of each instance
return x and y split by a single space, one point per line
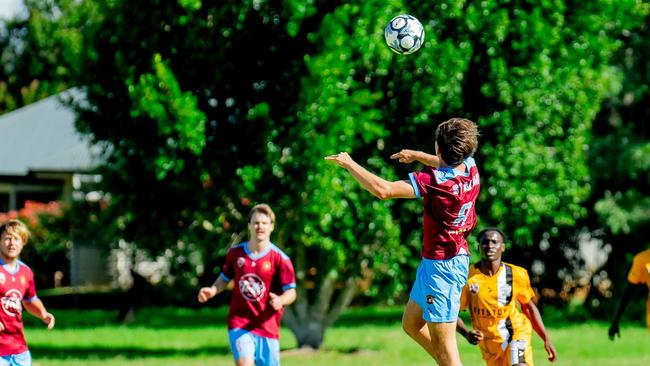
279 252
643 256
237 248
24 267
517 270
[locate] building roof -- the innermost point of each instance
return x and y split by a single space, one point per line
41 137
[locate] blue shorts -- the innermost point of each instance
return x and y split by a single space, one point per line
19 359
265 351
437 287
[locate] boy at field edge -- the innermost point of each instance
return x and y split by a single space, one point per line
449 185
17 290
639 276
264 283
491 294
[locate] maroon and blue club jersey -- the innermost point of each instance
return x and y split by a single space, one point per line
449 216
254 277
15 287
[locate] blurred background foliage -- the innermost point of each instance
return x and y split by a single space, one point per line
205 110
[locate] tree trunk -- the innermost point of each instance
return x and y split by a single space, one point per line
308 322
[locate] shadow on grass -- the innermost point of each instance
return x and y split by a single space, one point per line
66 353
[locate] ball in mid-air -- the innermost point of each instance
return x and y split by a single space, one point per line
404 34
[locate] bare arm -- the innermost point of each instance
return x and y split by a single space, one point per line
206 293
280 301
409 156
628 295
374 184
530 310
473 336
37 309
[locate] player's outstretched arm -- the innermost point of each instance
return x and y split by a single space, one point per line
409 156
628 295
206 293
374 184
530 310
37 309
473 336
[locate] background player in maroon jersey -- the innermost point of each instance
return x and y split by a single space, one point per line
448 185
17 291
264 282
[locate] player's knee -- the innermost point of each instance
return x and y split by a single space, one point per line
411 328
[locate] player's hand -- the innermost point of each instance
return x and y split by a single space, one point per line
343 159
206 293
48 319
613 332
550 350
405 156
474 336
275 301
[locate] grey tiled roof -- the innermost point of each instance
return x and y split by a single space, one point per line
41 137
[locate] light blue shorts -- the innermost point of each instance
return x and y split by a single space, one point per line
265 351
19 359
437 287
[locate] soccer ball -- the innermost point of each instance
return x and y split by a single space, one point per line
404 34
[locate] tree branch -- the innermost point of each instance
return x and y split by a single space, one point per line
343 301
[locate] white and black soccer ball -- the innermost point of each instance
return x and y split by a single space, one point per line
404 34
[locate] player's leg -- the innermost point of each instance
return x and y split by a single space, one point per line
435 297
242 345
443 342
520 353
268 351
19 359
416 327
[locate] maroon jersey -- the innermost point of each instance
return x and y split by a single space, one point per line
254 277
15 286
449 215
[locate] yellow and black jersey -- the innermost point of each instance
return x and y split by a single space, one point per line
492 304
640 274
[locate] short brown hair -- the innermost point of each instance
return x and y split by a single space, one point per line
262 208
457 140
15 227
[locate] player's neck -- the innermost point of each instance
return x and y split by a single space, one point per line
490 268
255 246
9 263
460 168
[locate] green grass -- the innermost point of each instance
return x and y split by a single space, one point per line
371 336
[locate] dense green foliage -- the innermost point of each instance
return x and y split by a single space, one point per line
205 110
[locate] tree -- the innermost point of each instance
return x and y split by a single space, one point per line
621 165
40 52
205 110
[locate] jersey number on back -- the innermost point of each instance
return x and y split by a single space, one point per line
463 214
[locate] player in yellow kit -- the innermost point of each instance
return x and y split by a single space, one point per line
638 276
493 290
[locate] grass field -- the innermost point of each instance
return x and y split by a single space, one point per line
371 336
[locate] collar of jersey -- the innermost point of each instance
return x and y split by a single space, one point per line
259 255
8 269
447 173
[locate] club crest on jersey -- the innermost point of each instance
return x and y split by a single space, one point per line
430 299
252 287
22 280
266 266
11 302
241 261
473 288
